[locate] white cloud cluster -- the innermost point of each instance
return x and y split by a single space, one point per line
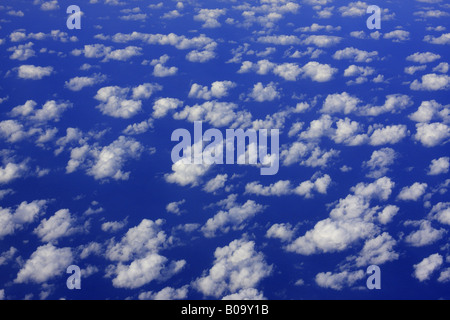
431 82
46 263
233 216
140 246
350 221
124 103
105 162
237 266
425 269
291 71
219 89
31 72
26 213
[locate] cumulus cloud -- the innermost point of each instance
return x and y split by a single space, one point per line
78 83
62 224
233 216
261 93
439 166
31 72
426 235
107 162
118 103
14 220
413 193
46 263
432 135
219 89
425 269
236 267
431 82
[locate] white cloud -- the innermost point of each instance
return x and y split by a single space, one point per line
105 162
431 110
219 89
439 166
31 72
62 224
174 207
22 52
338 281
216 184
356 55
397 35
261 93
284 232
209 17
115 101
413 193
425 269
441 40
245 295
162 107
340 103
78 83
441 213
45 263
388 135
234 216
166 294
431 82
425 236
318 72
24 214
432 135
237 266
425 57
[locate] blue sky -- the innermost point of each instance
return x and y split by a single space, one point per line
86 176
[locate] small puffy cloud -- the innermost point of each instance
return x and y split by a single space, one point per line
356 55
425 57
431 110
413 193
318 72
117 102
432 135
219 89
31 72
380 162
388 135
78 83
397 35
187 174
338 281
210 17
425 269
105 162
237 266
162 107
24 214
22 52
143 271
284 232
62 224
245 295
441 40
322 41
46 263
377 251
216 184
166 294
425 236
340 103
441 213
261 93
174 207
234 216
431 82
439 166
